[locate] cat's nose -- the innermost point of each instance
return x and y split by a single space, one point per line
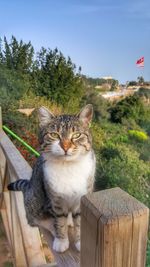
65 144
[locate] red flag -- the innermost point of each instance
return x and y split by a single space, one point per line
140 62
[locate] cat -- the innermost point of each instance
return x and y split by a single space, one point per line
62 174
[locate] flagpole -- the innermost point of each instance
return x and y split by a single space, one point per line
140 64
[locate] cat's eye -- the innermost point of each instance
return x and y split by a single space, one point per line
76 135
54 135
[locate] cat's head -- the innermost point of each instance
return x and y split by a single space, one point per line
65 136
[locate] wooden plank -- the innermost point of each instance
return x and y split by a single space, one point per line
15 159
5 198
6 217
19 252
0 118
2 173
6 225
69 258
114 229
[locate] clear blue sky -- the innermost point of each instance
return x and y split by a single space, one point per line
104 37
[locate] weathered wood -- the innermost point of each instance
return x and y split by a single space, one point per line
113 230
30 235
7 216
0 118
71 257
14 158
2 173
5 198
18 245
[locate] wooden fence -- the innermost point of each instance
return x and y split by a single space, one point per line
114 225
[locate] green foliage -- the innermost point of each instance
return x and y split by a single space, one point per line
144 92
140 80
17 55
130 107
57 78
31 100
121 166
99 81
12 85
49 74
100 105
114 85
138 135
93 81
132 83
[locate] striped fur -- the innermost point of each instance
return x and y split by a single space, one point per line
20 185
62 174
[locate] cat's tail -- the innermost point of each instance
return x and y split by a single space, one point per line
20 185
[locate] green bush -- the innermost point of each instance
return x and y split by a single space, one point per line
130 107
119 165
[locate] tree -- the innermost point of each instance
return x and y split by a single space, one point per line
18 55
100 105
130 107
57 78
140 80
114 85
132 83
1 52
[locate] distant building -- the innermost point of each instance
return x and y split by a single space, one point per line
107 78
104 86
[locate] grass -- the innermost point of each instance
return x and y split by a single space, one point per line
148 254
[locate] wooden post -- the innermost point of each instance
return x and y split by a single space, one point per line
114 229
0 118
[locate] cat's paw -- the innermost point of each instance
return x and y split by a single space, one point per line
60 245
77 244
70 220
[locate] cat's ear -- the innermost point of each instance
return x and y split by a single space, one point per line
45 116
85 115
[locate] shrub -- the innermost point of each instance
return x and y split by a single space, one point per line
119 165
130 107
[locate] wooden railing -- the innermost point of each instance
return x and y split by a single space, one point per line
114 225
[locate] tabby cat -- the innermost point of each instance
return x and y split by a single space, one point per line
61 176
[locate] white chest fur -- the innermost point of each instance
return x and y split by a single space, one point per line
69 179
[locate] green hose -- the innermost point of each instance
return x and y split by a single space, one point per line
7 130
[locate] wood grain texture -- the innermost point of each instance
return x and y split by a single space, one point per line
18 245
71 257
0 118
113 230
7 211
14 158
2 174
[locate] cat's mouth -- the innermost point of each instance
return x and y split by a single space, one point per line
67 154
